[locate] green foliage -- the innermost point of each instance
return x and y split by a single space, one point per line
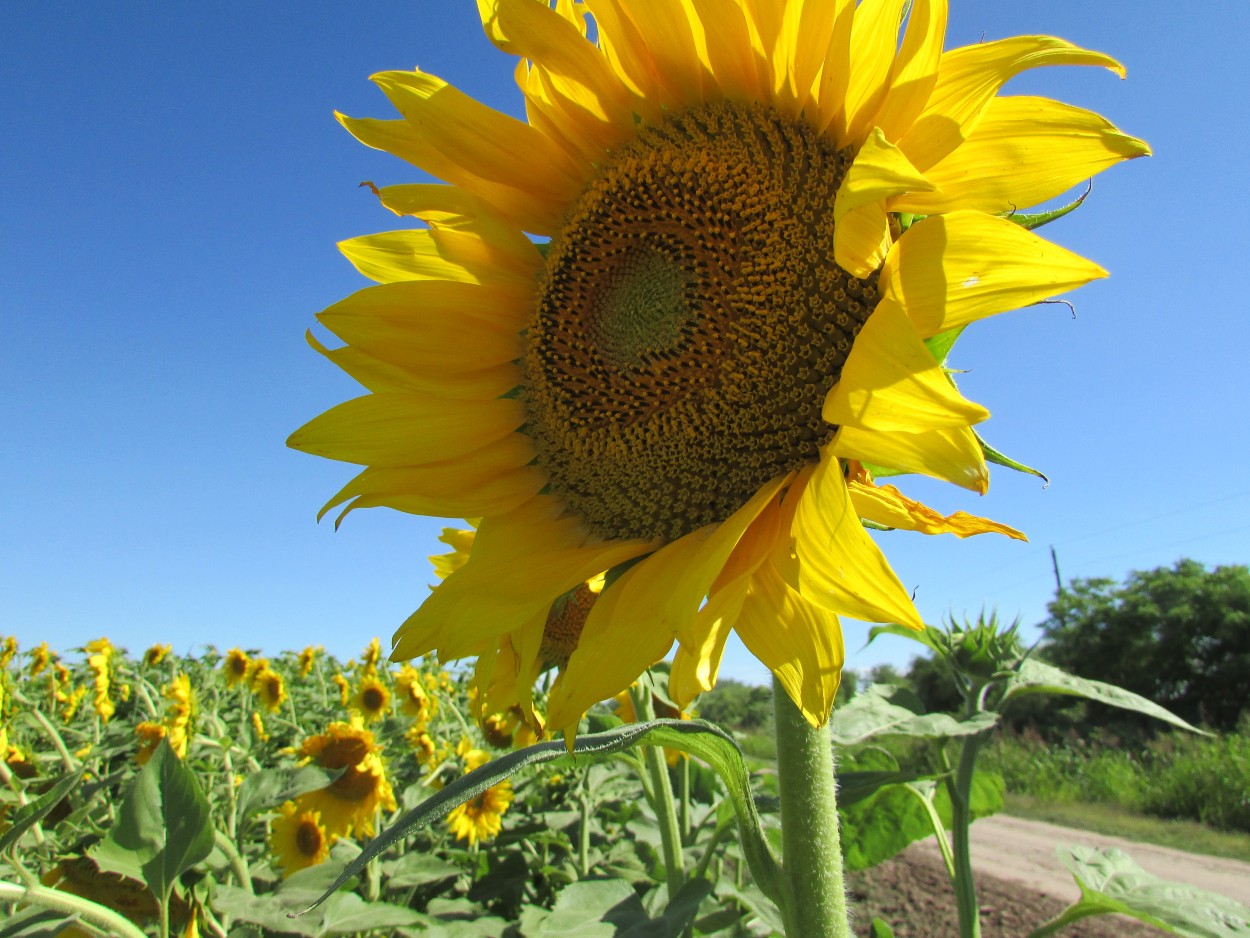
1111 883
1178 636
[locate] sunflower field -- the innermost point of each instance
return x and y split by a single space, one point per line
215 795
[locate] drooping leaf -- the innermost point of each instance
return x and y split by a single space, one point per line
926 636
1111 883
885 709
1037 677
37 923
28 815
1033 220
695 737
1002 459
163 827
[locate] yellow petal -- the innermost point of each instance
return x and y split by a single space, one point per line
797 33
892 382
696 665
952 454
1022 152
626 52
406 429
671 33
839 566
419 254
968 77
916 68
490 481
888 506
950 270
664 591
874 39
610 654
520 563
528 210
579 75
861 231
799 641
425 325
835 74
449 208
378 375
728 50
482 141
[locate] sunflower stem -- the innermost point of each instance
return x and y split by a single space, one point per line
662 790
815 901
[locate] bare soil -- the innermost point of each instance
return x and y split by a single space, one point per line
1021 883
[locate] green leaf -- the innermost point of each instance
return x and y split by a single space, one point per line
880 929
418 869
343 914
925 636
1112 883
886 709
37 923
590 908
1036 677
27 816
940 345
1002 459
704 740
856 786
269 788
680 912
1037 219
163 827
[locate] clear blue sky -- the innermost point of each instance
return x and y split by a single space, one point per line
173 187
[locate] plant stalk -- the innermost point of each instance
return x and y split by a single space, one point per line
815 903
662 791
960 790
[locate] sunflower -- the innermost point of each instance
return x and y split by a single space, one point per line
348 804
40 657
481 818
100 661
372 699
156 654
236 667
767 222
345 688
414 700
307 658
270 688
297 839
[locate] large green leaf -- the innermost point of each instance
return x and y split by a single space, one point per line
1036 677
1112 883
590 908
879 826
885 709
163 827
700 739
37 923
28 815
344 913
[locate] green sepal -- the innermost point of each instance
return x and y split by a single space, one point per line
28 815
940 345
1001 459
1037 219
695 737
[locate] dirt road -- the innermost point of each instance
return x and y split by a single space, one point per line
1024 852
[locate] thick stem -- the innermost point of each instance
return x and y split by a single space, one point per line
815 906
960 790
662 793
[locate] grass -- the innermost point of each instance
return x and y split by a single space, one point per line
1116 821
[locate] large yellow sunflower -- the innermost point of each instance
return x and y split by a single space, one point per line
481 818
297 839
759 213
348 804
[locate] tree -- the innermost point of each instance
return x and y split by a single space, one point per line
1179 636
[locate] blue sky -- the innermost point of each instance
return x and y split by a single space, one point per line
173 187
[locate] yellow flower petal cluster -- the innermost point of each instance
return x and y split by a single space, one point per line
156 654
269 686
177 726
414 699
297 839
481 818
348 804
372 699
307 658
100 661
236 667
759 213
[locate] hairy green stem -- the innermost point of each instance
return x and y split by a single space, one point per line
662 794
238 864
815 902
63 902
960 790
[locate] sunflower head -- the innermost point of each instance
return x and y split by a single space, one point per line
481 818
307 658
156 654
348 804
297 839
236 667
344 686
372 699
40 657
764 231
270 687
414 699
